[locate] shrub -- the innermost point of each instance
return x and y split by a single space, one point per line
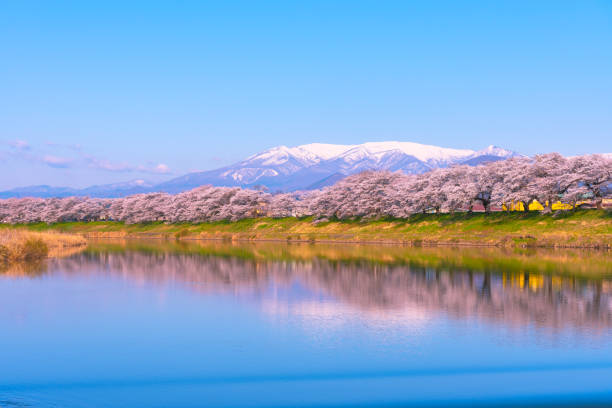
34 249
4 254
181 233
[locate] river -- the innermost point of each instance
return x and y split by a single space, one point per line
166 324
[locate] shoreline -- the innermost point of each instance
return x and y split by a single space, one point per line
575 229
407 243
588 263
18 245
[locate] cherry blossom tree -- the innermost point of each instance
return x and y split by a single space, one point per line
370 194
594 173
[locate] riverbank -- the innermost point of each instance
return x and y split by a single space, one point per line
23 245
571 229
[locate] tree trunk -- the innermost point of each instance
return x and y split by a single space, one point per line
547 207
485 290
573 204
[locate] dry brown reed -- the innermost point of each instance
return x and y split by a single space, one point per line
22 245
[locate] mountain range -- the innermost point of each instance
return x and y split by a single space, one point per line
282 168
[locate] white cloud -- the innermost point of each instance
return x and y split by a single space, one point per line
57 162
123 167
19 144
161 168
74 157
73 147
102 164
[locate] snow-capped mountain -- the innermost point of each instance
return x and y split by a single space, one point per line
308 166
303 167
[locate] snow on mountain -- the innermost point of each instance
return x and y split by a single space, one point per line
286 157
316 152
488 154
325 150
425 153
495 151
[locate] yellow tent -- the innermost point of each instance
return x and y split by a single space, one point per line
536 206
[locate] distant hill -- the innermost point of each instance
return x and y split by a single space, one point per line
102 191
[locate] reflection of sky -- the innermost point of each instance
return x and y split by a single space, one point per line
322 315
332 314
101 337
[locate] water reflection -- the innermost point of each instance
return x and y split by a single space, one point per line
546 289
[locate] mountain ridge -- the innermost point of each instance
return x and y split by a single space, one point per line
283 168
294 168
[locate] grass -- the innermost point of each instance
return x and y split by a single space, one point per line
23 245
580 229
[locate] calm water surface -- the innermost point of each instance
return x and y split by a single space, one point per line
219 325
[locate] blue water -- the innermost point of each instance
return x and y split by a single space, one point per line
140 329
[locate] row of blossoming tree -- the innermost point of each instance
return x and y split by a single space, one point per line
546 178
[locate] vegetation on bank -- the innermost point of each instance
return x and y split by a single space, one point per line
22 245
579 228
548 182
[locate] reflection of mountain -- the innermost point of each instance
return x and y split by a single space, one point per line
372 289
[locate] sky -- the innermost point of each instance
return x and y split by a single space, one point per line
95 92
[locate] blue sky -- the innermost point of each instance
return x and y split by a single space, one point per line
98 92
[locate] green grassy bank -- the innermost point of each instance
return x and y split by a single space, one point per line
579 229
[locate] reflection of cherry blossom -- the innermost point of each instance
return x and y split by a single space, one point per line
372 292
